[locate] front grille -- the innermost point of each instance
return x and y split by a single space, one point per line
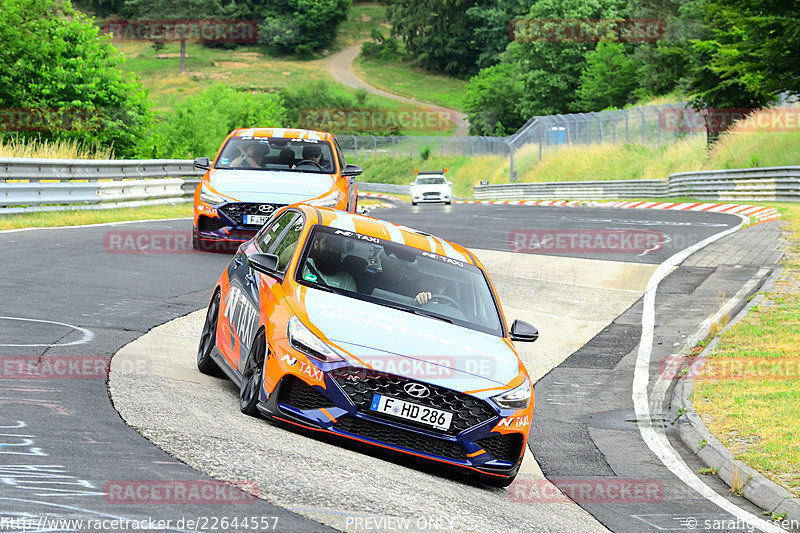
399 437
298 394
236 212
205 223
361 384
503 447
431 194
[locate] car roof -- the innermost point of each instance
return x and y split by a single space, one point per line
286 133
386 230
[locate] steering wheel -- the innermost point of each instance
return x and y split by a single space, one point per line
444 299
308 161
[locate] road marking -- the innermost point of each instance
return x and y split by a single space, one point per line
87 335
657 441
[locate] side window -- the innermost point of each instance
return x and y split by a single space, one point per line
286 244
267 238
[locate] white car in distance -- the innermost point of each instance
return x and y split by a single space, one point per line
431 187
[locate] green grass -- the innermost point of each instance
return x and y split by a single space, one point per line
77 218
407 80
757 414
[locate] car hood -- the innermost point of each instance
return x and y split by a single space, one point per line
414 346
431 188
270 186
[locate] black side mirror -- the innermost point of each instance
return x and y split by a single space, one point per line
264 263
202 163
523 332
352 170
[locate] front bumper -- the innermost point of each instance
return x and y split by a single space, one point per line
430 198
340 412
225 224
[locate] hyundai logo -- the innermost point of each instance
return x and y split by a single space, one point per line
266 208
417 390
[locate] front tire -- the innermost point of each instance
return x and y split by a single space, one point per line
253 376
208 340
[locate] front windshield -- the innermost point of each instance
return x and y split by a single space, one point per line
399 276
431 181
276 153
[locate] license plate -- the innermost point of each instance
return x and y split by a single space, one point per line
255 220
435 418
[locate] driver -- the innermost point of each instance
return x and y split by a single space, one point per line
326 259
431 287
313 153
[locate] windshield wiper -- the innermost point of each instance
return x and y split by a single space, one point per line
415 311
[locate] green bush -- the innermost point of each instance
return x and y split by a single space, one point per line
382 48
57 71
196 126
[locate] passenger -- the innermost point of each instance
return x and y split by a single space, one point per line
286 157
252 156
326 260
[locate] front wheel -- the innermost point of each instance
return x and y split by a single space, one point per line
208 340
253 376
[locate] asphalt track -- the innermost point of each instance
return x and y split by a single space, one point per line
63 442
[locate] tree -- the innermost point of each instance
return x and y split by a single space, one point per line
492 100
437 33
490 22
195 125
295 26
608 80
757 43
194 10
54 63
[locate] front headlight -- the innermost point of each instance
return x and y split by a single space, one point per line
210 197
517 398
301 339
329 200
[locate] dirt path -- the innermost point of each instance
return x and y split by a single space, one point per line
340 65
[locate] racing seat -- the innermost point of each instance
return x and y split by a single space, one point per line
356 267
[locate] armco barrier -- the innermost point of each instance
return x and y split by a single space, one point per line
750 184
28 184
573 190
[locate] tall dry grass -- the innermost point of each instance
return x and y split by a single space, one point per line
59 149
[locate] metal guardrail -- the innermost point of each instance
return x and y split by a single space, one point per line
384 187
32 169
573 190
28 185
749 184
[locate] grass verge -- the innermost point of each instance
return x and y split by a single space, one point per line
78 218
406 80
748 394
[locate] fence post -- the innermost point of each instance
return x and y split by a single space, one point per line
393 151
411 154
355 147
627 127
641 113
